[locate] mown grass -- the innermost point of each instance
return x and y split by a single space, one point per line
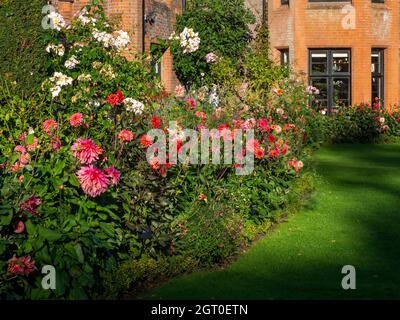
352 219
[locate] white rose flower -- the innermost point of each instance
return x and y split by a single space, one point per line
121 40
133 105
71 63
56 21
55 91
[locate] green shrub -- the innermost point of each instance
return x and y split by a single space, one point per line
261 73
134 276
22 54
361 123
223 29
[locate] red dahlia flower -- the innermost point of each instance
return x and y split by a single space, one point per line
31 205
120 96
19 227
259 153
76 119
112 99
22 266
146 141
263 124
155 122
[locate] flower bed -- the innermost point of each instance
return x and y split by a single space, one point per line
81 193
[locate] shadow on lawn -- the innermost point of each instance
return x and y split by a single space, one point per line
375 183
366 179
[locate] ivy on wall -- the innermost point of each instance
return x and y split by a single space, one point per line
22 57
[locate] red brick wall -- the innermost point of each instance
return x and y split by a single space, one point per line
128 14
304 25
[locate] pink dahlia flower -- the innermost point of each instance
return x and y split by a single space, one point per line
93 181
113 174
24 158
86 151
20 149
191 103
126 135
21 266
76 119
49 126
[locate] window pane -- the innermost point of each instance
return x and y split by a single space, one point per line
319 62
375 63
341 92
376 88
341 62
321 100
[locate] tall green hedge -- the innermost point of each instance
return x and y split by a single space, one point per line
22 54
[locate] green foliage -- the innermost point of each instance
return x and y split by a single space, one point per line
22 54
134 275
223 29
360 123
260 71
160 219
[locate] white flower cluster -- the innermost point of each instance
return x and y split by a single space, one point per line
71 63
173 36
107 71
85 19
211 57
56 21
133 105
57 49
103 37
213 98
84 77
59 80
190 40
119 41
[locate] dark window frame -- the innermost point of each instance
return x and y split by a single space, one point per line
380 74
329 75
282 56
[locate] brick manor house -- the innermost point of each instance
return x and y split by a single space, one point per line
348 49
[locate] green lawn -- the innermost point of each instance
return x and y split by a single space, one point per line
354 218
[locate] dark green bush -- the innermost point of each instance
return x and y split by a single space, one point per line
223 29
357 124
22 54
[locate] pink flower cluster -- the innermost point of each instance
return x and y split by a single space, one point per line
95 181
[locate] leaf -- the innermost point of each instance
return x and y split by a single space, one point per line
59 167
30 228
49 234
6 219
108 229
79 253
29 139
74 181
